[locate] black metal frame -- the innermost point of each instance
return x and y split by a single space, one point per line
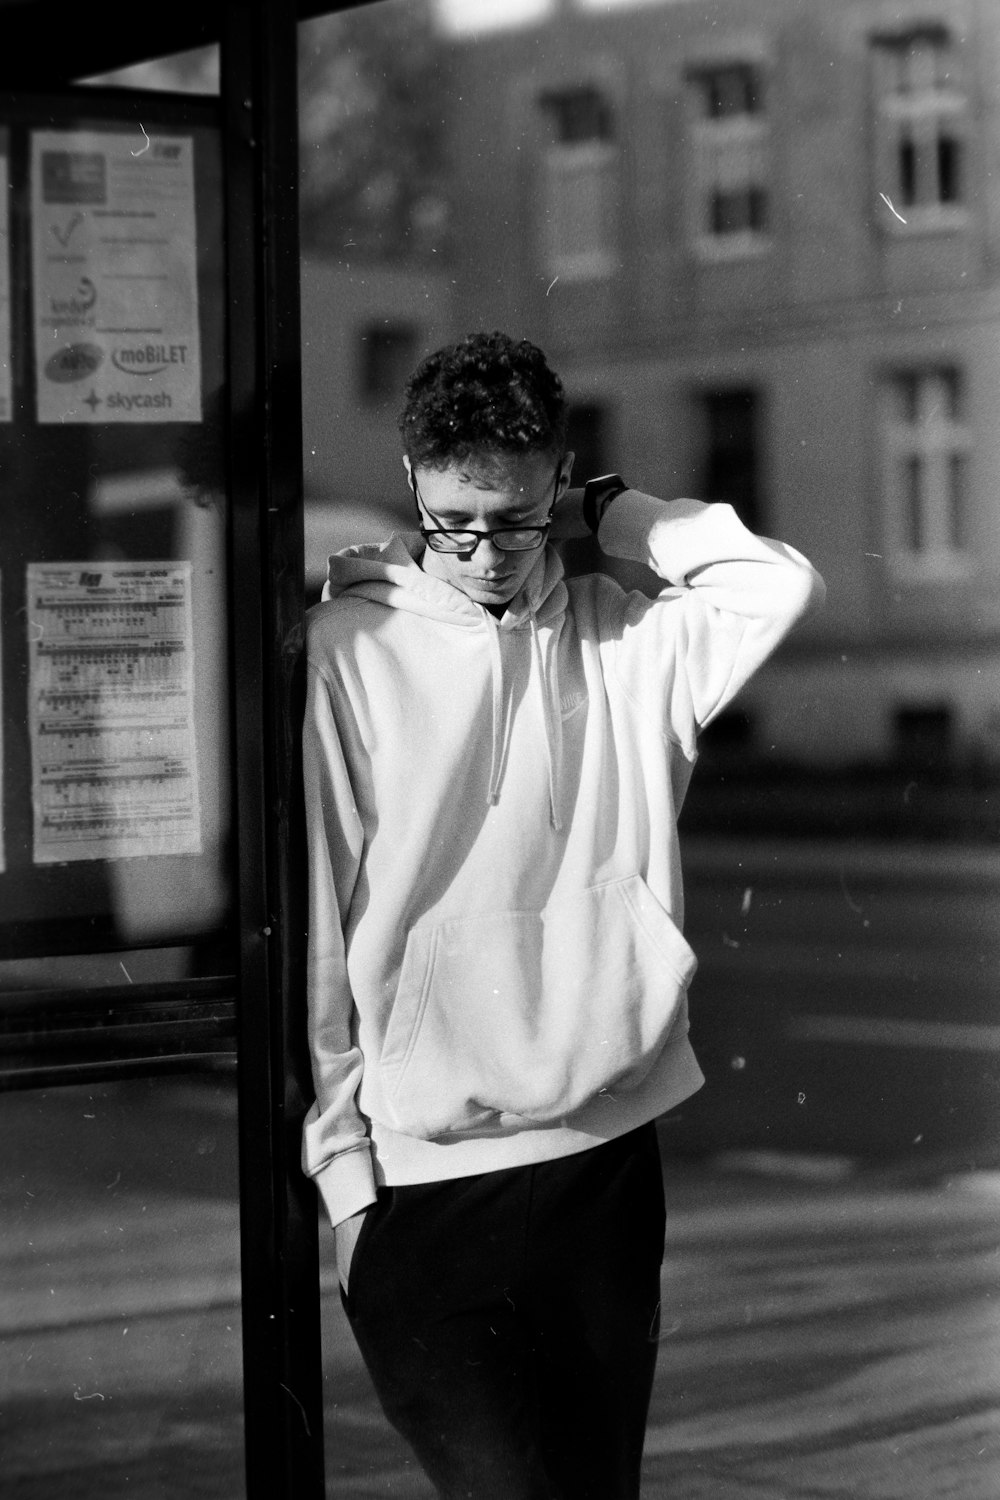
52 1037
278 1209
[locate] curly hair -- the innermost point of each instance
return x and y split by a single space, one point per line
487 395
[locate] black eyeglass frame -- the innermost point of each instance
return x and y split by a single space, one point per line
465 553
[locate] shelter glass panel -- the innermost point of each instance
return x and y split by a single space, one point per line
115 826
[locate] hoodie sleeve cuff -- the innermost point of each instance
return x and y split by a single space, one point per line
346 1184
641 528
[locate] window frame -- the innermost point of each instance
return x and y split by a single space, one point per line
716 142
925 447
927 115
594 159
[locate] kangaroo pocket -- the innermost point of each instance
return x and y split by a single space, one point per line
532 1013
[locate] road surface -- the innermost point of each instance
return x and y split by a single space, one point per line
830 1329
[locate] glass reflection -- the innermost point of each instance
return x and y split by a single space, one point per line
194 72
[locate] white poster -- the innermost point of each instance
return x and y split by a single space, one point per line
114 255
5 369
111 710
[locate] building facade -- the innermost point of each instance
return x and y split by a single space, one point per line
761 243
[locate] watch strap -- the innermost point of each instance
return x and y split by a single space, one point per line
598 495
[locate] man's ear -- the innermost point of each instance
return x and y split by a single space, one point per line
565 473
409 471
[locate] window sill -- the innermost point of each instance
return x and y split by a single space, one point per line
936 568
733 247
906 224
594 267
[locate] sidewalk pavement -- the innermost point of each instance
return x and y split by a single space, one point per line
829 1331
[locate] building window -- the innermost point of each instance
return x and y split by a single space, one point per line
586 437
731 148
924 736
926 481
578 205
386 356
921 113
731 465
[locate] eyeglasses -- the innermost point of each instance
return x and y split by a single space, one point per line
463 543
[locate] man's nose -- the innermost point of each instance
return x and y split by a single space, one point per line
490 555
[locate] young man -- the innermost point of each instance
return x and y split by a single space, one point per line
495 760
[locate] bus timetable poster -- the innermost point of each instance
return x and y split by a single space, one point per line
111 703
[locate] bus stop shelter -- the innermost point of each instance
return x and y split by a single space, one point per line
151 914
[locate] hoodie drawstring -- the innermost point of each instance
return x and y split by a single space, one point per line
499 727
551 715
551 719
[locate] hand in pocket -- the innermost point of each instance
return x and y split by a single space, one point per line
346 1235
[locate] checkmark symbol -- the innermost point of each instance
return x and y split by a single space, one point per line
64 235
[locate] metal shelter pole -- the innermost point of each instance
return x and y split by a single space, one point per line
279 1231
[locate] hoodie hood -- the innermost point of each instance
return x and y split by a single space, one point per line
389 573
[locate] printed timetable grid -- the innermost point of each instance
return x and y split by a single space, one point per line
114 770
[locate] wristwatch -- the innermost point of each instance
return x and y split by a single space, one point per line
598 495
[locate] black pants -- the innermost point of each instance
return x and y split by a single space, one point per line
510 1322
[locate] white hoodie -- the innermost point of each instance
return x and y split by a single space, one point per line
497 972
